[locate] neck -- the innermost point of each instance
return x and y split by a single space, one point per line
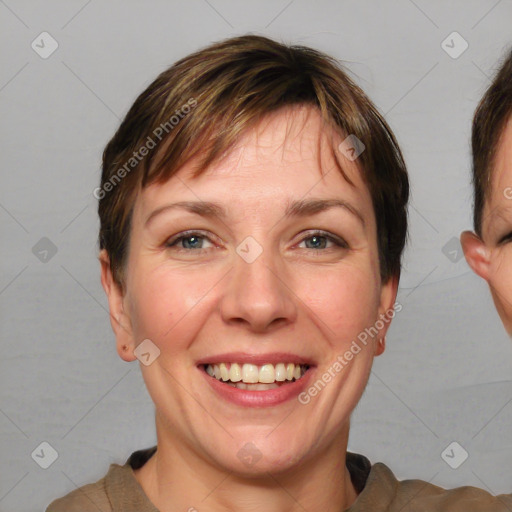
177 478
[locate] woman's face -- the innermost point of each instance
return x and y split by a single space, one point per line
491 256
249 281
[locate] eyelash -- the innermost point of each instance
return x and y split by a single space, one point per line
505 239
339 242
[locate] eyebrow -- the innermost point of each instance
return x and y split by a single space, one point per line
299 208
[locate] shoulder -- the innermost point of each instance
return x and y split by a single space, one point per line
383 492
117 490
88 498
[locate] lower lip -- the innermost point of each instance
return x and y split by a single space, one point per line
269 397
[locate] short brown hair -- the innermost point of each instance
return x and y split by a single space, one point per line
489 121
231 85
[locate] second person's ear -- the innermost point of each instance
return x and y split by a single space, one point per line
476 253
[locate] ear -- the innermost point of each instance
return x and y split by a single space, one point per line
476 253
387 310
119 320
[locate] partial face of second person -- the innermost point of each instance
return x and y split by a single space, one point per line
196 298
491 255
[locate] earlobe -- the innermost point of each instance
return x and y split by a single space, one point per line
476 253
119 320
381 346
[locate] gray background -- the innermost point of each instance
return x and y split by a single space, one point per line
446 373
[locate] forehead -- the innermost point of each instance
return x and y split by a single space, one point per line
288 153
503 163
499 202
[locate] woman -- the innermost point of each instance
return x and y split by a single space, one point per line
488 250
253 216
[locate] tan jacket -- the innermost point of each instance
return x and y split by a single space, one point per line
379 491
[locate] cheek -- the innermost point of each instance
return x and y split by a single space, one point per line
172 305
345 300
501 280
164 303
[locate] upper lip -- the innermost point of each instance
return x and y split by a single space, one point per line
256 359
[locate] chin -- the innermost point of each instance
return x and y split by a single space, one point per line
260 457
266 464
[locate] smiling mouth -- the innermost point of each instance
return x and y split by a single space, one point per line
256 378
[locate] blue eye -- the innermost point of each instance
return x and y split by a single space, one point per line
192 238
318 236
192 241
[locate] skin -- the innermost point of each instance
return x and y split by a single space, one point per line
302 296
490 256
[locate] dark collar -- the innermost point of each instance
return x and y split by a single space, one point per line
358 465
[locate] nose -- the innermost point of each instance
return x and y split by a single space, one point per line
259 294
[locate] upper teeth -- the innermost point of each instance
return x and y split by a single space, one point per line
251 373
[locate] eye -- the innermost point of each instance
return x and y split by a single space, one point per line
319 239
192 240
189 241
505 239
